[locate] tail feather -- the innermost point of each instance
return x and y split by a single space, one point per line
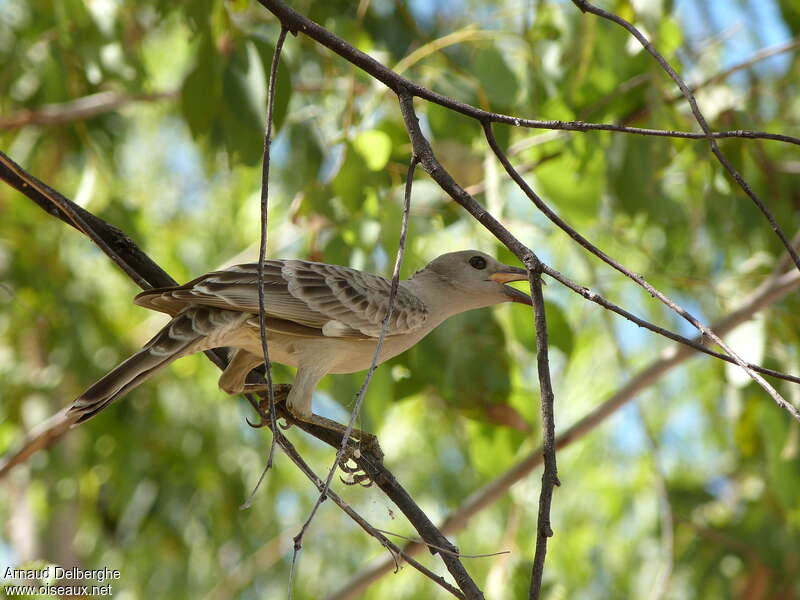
177 339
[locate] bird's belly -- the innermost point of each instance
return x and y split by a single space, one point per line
331 355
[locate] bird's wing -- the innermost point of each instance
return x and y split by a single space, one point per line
337 301
353 301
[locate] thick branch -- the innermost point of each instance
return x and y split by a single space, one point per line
301 464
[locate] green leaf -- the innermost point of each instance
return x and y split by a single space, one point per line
559 332
349 182
241 116
497 79
201 93
375 147
447 124
283 83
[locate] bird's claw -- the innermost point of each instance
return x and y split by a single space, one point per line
357 479
259 425
355 474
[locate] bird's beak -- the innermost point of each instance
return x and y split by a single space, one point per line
507 274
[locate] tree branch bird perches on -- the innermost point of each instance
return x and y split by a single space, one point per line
320 318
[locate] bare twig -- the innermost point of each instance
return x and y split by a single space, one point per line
581 240
762 54
378 534
696 343
79 109
399 84
586 6
639 80
758 56
550 475
440 549
262 250
375 356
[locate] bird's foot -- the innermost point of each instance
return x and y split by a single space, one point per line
279 393
360 441
355 474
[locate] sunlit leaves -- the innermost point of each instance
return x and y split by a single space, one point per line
374 147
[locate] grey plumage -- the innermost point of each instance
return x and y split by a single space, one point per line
320 318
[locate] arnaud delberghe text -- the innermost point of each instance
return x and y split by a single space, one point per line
55 572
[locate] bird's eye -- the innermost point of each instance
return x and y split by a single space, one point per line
478 262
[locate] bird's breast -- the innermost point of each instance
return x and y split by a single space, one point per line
331 354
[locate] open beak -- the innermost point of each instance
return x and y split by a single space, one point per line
507 274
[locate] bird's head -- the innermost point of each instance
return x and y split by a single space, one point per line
478 277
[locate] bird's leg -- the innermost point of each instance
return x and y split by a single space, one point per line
299 404
358 437
297 396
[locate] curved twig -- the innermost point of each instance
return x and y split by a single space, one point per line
297 22
586 6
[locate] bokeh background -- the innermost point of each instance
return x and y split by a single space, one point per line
689 492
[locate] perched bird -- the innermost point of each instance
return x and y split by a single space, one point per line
320 318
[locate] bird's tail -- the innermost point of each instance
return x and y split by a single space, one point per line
179 337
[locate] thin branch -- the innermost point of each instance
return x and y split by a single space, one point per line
422 149
375 355
378 534
79 109
550 475
430 163
772 291
758 56
581 240
696 343
69 212
297 22
438 549
262 250
586 6
638 80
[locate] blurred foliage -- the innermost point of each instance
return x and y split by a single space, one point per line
153 486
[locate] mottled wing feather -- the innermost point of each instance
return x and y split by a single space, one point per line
235 289
357 302
330 300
